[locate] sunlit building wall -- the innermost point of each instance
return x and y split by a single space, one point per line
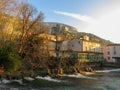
86 50
84 44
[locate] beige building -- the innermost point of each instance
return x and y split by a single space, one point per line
86 50
82 49
84 44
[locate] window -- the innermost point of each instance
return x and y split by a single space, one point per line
54 30
108 58
114 52
113 48
79 42
108 53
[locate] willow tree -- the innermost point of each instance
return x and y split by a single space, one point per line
32 40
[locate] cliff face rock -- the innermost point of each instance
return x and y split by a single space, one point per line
62 27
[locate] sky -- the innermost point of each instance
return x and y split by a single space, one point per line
100 17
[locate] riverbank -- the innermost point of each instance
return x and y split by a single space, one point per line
19 77
7 79
106 79
33 74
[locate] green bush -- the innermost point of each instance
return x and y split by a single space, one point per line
9 59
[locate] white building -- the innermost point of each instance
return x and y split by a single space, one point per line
113 53
84 44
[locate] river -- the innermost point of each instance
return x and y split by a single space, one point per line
101 80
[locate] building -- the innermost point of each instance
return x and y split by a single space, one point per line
88 56
58 46
84 44
104 50
86 50
82 49
112 53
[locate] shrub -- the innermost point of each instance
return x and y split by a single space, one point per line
9 59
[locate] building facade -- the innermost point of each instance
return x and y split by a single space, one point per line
58 46
84 44
113 53
86 50
82 49
88 56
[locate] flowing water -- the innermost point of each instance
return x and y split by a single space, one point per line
100 80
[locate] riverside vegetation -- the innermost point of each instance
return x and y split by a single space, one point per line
24 43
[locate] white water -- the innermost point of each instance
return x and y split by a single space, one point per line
107 71
18 81
29 78
48 78
78 75
5 81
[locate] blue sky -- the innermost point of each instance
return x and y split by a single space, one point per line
100 17
48 7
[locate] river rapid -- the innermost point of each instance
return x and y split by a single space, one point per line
100 80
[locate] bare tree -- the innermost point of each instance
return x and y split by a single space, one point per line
28 20
32 38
